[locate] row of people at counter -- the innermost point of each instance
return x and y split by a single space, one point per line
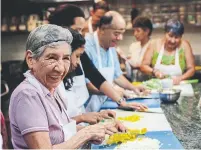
52 105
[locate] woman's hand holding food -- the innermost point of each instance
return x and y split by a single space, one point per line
96 133
139 89
107 114
114 127
92 117
177 80
159 74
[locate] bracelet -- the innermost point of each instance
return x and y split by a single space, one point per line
120 101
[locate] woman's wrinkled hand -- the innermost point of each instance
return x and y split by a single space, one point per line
91 117
115 127
107 114
95 132
120 127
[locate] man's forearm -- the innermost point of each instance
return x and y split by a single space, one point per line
93 90
124 83
108 90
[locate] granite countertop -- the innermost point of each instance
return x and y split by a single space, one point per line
185 119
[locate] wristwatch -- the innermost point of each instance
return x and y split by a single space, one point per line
120 101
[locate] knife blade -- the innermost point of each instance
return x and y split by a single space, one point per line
134 110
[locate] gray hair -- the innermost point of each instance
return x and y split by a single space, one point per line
36 54
46 36
174 26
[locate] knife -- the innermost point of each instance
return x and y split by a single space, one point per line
134 110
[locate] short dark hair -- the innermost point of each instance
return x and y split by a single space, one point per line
101 5
65 15
143 22
78 39
105 20
174 26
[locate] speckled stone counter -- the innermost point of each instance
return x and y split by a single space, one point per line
185 119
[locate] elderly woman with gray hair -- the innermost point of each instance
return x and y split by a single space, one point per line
37 111
170 56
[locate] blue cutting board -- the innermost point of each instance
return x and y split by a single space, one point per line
151 103
167 139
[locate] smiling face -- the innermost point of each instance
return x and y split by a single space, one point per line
112 35
172 41
75 57
141 34
52 66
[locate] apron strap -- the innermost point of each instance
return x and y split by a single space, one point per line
58 98
111 56
158 62
98 49
143 49
98 52
90 25
177 57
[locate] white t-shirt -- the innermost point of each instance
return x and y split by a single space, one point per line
137 52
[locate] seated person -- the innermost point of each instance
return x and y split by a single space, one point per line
170 56
142 31
100 47
38 115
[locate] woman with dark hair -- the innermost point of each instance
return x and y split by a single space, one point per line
142 27
171 55
78 93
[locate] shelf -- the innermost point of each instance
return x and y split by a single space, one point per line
9 33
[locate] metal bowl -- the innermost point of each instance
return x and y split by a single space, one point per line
169 95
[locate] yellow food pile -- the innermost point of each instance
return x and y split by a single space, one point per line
136 83
124 137
132 118
197 67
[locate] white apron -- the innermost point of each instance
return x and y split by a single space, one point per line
96 101
90 25
69 129
172 70
77 95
